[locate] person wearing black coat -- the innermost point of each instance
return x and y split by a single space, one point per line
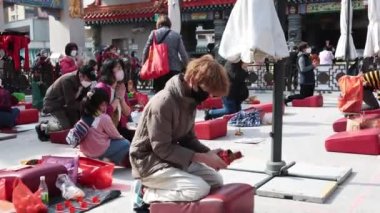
306 69
291 77
238 91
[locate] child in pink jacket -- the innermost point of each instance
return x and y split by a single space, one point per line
102 139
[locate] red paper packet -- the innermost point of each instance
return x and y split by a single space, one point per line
228 156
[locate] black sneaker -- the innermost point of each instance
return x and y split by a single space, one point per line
41 134
142 209
207 115
286 101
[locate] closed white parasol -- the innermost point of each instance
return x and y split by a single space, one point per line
253 32
372 46
345 30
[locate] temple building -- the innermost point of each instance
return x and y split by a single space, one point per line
127 23
316 21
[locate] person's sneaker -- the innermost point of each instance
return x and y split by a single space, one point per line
207 115
41 134
138 203
286 101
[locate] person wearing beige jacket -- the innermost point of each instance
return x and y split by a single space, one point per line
166 156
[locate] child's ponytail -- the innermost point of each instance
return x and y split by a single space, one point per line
92 101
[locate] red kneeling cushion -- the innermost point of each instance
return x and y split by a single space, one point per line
27 105
211 129
59 136
230 198
211 103
312 101
255 101
341 124
27 116
364 141
267 107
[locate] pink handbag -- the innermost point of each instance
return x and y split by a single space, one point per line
71 164
157 64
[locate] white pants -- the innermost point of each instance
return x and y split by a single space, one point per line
172 184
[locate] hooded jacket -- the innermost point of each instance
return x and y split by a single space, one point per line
165 134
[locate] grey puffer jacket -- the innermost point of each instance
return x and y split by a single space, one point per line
178 57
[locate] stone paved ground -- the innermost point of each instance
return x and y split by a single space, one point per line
305 130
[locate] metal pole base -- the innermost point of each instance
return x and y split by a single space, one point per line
274 168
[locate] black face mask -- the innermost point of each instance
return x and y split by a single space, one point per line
199 95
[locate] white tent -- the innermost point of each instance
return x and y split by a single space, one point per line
345 31
372 46
253 32
174 14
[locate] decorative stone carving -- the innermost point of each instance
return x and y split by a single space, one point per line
295 28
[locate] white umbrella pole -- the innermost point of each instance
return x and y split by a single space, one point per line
275 166
348 29
174 14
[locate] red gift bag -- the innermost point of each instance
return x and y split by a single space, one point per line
157 64
351 97
25 201
95 173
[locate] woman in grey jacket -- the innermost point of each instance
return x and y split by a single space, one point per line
176 50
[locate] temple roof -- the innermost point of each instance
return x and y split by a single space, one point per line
145 11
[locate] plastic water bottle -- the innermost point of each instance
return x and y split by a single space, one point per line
68 188
44 191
